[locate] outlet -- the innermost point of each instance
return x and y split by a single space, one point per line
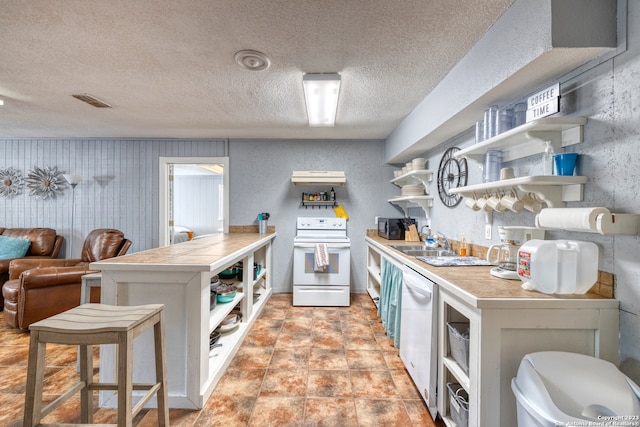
376 219
487 231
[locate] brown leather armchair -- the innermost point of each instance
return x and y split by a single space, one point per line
45 243
40 288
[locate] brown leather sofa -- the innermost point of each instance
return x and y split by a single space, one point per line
45 243
41 288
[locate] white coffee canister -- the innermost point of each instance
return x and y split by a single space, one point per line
558 266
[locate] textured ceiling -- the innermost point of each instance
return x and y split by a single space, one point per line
167 66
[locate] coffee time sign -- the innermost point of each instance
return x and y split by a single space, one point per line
544 103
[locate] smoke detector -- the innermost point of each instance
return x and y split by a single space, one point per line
252 60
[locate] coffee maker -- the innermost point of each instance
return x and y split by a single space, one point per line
505 255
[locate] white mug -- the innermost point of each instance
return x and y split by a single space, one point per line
531 203
494 203
482 203
472 203
512 202
506 173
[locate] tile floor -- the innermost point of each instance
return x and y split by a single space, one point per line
299 366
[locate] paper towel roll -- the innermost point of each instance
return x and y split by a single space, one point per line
576 219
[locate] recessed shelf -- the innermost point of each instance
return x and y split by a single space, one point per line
529 139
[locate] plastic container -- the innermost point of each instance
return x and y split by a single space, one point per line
558 266
459 343
492 165
458 404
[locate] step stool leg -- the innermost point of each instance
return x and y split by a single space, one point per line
35 380
125 379
161 372
86 376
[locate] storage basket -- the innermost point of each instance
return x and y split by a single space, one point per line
458 404
459 343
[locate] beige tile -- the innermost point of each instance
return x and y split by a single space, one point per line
330 412
294 340
419 414
365 359
329 384
331 340
373 385
284 382
297 325
386 413
327 358
261 338
405 387
393 359
234 382
276 411
290 358
251 358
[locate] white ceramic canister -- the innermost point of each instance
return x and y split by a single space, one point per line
558 266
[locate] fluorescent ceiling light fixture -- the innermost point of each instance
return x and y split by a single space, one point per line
321 95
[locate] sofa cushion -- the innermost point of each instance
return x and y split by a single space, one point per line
11 247
42 240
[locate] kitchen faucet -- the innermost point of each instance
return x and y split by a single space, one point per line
445 241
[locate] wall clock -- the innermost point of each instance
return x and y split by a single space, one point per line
452 173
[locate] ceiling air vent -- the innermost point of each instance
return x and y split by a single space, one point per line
92 100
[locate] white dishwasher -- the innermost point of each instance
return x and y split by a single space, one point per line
418 333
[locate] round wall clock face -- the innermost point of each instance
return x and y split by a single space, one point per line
452 173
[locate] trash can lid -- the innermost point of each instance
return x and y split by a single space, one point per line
556 384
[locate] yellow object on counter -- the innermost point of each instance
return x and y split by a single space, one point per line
463 246
341 213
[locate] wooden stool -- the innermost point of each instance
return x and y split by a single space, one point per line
86 326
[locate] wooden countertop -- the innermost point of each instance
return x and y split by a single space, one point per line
217 251
477 287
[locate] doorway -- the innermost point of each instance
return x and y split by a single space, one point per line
194 198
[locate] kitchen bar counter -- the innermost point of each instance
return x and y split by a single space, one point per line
179 276
476 286
505 322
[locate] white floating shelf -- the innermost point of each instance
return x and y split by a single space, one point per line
529 139
425 202
553 190
423 177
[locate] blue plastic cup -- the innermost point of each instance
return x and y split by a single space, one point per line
565 163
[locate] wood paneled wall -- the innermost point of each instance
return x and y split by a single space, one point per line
119 187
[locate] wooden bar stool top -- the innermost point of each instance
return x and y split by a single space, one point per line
95 324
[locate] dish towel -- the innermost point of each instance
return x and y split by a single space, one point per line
321 257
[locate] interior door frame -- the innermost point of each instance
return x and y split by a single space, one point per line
163 207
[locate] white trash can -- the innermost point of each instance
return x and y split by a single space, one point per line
554 387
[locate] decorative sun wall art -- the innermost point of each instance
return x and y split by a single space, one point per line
45 183
11 182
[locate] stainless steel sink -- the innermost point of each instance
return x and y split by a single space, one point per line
421 250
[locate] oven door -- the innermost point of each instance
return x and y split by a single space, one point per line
337 272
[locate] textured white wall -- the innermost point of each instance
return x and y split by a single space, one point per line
607 95
261 182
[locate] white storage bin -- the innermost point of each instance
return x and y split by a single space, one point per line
458 404
459 343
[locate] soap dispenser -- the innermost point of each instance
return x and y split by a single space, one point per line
463 246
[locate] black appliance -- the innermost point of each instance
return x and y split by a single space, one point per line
394 228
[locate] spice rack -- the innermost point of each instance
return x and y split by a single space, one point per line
325 199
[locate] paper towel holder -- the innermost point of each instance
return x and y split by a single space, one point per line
608 223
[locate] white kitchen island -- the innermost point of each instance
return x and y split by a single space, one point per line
179 277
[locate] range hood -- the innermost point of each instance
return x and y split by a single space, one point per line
318 178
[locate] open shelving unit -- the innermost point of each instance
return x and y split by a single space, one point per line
530 138
414 177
